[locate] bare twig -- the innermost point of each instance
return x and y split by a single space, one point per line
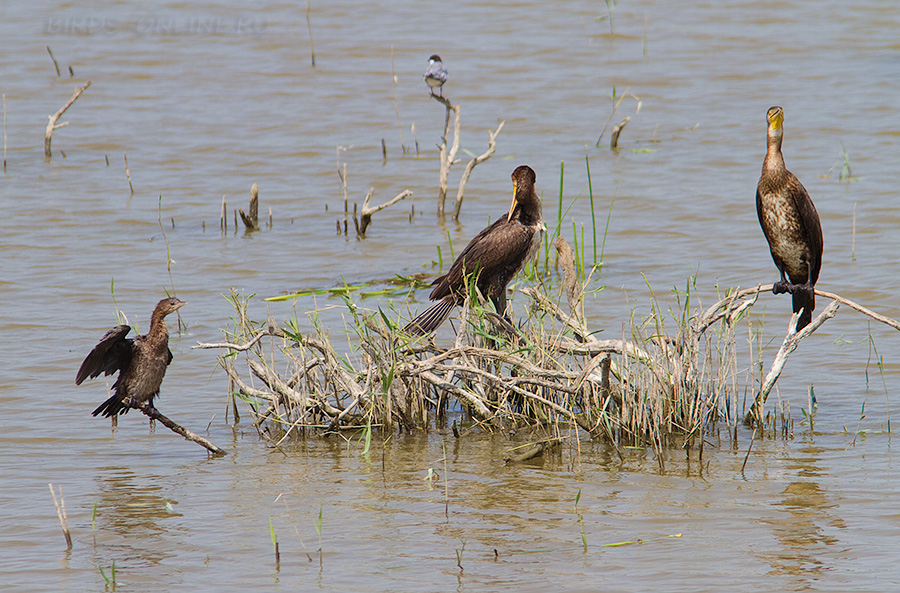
367 212
155 414
223 217
448 159
791 341
55 64
492 147
312 49
128 173
52 125
61 513
4 132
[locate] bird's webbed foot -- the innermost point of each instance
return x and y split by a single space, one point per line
782 286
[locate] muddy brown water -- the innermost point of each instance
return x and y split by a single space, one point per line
209 98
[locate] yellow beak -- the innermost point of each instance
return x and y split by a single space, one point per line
512 206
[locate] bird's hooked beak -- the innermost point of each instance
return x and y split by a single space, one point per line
776 118
180 304
512 207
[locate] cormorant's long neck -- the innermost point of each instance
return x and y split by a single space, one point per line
774 159
159 331
528 209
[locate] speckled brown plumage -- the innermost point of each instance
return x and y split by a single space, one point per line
141 362
791 224
493 257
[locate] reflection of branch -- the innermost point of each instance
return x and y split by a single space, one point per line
52 125
492 146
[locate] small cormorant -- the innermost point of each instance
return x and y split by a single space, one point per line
141 362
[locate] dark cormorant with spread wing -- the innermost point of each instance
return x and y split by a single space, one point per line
141 362
491 259
791 224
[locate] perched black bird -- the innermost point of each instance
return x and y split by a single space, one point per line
435 74
791 224
141 362
491 259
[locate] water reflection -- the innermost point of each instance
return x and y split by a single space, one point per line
801 528
132 516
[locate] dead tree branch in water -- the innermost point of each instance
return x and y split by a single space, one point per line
492 147
367 212
650 388
52 125
791 341
448 158
616 104
617 129
251 221
155 414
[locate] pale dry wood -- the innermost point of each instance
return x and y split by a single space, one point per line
467 172
367 211
52 125
448 159
790 343
61 513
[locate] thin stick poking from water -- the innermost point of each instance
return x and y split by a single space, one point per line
446 484
396 106
312 49
55 65
4 133
128 173
61 512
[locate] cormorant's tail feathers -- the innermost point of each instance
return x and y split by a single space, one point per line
430 319
806 300
114 405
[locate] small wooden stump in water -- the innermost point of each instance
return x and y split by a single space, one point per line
251 221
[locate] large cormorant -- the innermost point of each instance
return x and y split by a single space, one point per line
491 259
791 224
141 362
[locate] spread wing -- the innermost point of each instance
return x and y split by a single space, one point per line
111 354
